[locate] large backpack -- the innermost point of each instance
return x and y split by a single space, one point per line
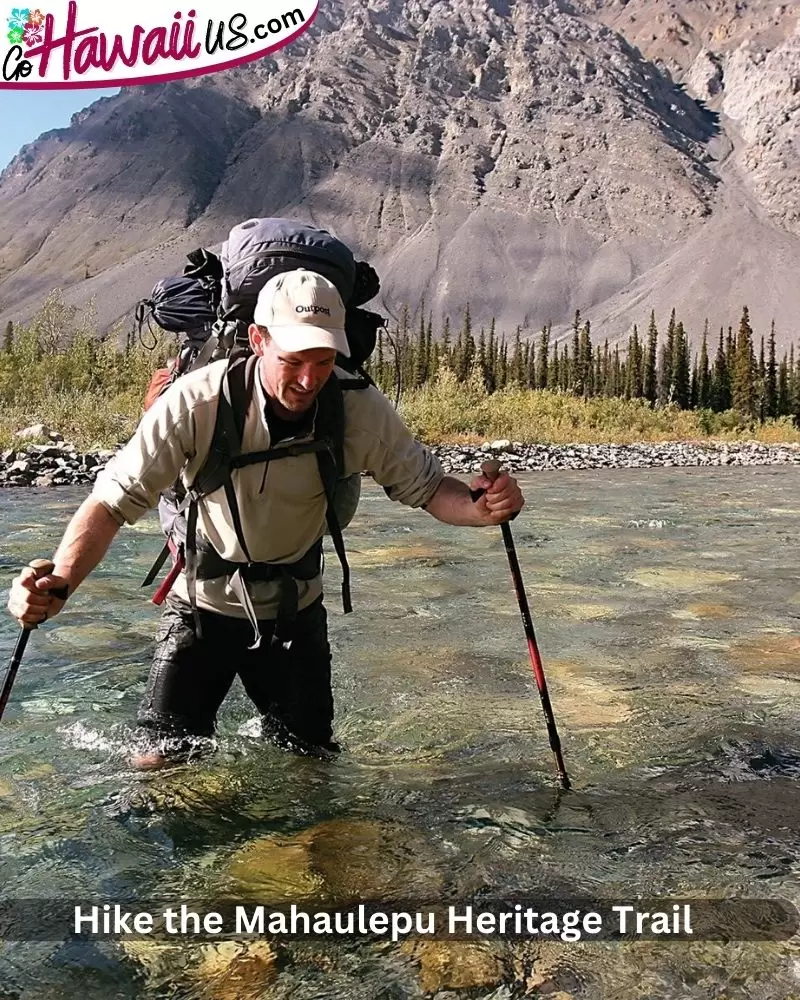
255 251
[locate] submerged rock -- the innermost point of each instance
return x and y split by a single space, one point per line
456 965
339 861
224 970
770 654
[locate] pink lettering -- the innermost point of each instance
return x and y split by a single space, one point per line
99 52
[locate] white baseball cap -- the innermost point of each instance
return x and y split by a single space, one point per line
302 310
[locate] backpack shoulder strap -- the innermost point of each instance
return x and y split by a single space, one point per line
236 392
329 427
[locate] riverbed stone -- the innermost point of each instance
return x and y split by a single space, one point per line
770 654
455 965
339 861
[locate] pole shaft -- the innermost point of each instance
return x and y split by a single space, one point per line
533 650
41 567
13 667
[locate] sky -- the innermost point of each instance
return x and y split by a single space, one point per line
25 114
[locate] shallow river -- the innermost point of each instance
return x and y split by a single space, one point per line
666 605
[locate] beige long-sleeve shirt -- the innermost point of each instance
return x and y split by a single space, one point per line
283 515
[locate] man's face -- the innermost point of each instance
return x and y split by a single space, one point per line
292 379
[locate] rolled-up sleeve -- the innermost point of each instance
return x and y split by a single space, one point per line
380 444
152 460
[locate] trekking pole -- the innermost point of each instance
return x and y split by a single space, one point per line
42 568
491 470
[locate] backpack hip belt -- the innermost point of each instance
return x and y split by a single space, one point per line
211 566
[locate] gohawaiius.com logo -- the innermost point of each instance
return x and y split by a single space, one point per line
93 43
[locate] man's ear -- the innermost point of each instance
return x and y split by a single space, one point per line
257 340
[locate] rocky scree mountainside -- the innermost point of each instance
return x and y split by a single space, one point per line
530 158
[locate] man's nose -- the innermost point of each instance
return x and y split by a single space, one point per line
306 378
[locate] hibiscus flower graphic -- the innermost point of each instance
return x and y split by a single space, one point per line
33 34
19 18
15 36
36 18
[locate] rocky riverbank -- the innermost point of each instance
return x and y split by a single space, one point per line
518 457
56 464
59 463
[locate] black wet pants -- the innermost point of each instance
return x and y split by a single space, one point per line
190 676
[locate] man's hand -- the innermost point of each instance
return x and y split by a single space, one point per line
453 502
30 600
501 500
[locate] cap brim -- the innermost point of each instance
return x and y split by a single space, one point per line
306 338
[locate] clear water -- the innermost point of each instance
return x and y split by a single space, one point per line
666 605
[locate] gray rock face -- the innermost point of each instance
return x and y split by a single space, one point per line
530 158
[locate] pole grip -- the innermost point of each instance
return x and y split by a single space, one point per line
42 567
491 469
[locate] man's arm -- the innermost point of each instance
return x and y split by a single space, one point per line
85 542
452 503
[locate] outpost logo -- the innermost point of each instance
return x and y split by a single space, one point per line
313 310
93 44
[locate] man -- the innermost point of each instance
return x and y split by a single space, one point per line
297 331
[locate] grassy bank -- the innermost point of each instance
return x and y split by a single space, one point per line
451 411
92 394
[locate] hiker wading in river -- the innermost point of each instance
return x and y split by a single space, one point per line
248 600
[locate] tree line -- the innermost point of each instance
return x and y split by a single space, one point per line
726 374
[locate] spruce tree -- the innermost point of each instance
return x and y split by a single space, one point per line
703 394
576 353
761 385
420 355
554 371
491 358
662 375
429 342
457 355
784 405
481 355
585 370
406 347
742 380
650 388
468 348
794 387
515 372
542 366
632 375
771 378
666 387
502 366
435 359
681 373
730 351
616 373
597 377
721 382
530 364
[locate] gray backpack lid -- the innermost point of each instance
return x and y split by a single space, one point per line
258 249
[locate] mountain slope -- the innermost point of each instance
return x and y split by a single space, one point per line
530 158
